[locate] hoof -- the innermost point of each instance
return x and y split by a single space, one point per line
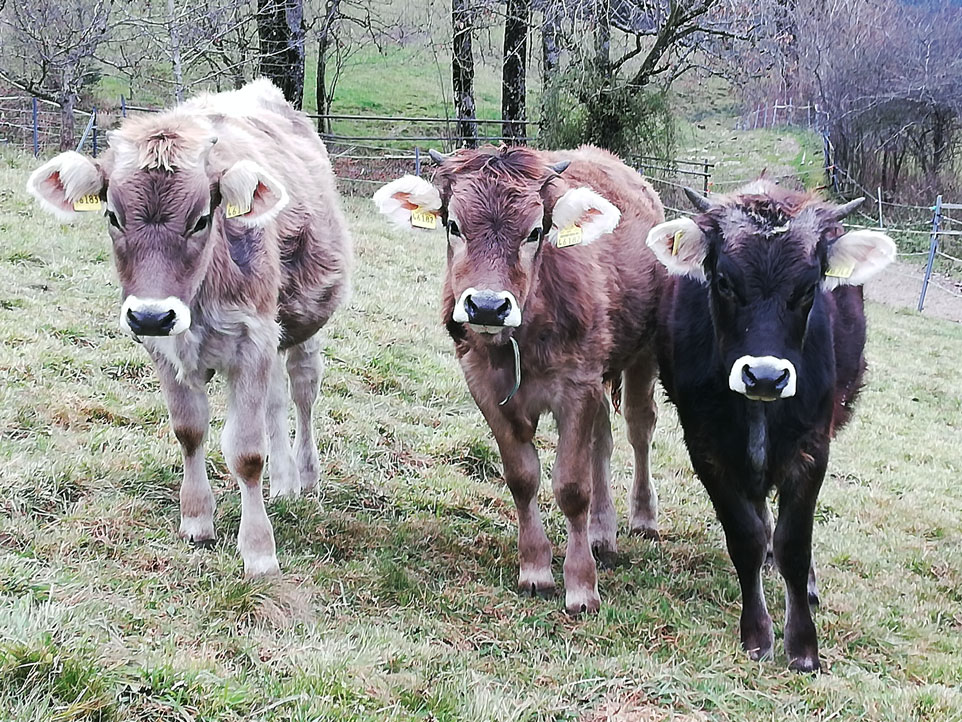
579 603
308 477
813 600
198 531
769 562
259 568
646 532
537 584
806 663
609 560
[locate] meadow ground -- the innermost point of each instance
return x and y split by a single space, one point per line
398 598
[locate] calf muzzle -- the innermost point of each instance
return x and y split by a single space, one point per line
154 317
763 378
488 309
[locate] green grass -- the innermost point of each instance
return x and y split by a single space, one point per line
398 598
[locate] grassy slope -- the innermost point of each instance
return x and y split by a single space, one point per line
398 598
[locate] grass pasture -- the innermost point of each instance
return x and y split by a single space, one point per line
398 598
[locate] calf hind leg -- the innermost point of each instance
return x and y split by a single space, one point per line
603 523
640 416
304 366
190 417
280 461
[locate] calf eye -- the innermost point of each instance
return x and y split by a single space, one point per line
725 288
534 236
112 219
453 228
201 224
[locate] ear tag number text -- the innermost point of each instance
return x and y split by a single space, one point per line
89 202
570 236
232 211
421 217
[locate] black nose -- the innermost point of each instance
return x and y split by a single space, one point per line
765 382
151 323
487 308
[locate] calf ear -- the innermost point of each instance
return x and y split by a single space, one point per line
400 198
251 194
857 256
63 181
584 209
681 247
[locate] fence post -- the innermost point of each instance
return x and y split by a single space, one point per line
933 246
123 106
36 129
880 224
705 177
94 111
417 161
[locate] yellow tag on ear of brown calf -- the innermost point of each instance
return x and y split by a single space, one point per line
89 202
421 217
570 236
232 211
841 270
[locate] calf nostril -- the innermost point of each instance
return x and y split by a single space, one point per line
168 318
782 381
469 304
504 309
749 377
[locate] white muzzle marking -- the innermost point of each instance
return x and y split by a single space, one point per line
774 364
157 305
513 319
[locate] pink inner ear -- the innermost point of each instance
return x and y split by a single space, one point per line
405 200
262 199
54 191
587 216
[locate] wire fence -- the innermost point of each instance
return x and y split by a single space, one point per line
369 150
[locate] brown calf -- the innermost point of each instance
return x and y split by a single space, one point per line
232 253
550 292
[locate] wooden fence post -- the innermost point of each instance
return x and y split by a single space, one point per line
36 129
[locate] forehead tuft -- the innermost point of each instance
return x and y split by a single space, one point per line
169 141
764 212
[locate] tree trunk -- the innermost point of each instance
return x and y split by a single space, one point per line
550 56
603 37
280 27
462 69
68 133
173 33
323 45
513 70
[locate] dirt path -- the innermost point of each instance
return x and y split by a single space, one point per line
899 286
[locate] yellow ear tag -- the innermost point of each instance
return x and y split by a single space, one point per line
674 243
89 202
843 270
421 217
232 211
570 236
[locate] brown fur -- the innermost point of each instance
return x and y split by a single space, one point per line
588 315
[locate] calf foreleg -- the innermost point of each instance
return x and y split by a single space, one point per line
746 533
244 443
640 417
190 417
571 482
603 524
793 554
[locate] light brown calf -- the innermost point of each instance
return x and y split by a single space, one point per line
232 253
548 269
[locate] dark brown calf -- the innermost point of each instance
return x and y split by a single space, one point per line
232 253
762 339
550 292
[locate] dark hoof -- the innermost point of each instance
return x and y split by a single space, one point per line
204 543
813 600
535 591
805 664
609 559
646 533
769 562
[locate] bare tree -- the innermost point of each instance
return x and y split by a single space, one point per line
280 26
55 49
514 67
462 71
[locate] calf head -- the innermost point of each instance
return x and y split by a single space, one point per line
766 257
159 190
498 208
